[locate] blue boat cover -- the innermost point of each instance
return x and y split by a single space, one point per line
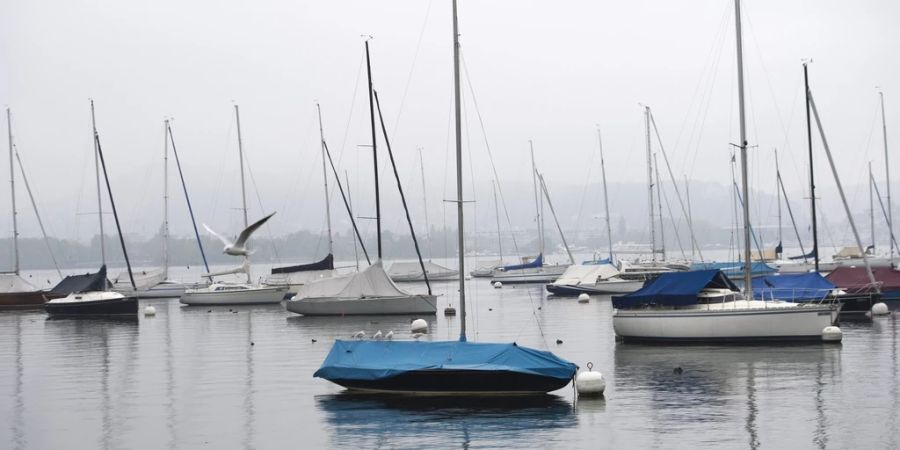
377 360
596 262
538 262
800 287
674 289
735 268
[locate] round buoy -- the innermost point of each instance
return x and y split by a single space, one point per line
468 277
419 326
584 298
880 309
149 311
590 383
449 311
498 285
832 334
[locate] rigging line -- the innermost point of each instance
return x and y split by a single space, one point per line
35 208
187 198
112 204
261 208
346 203
362 61
883 211
791 214
665 199
584 191
752 232
412 67
490 154
864 157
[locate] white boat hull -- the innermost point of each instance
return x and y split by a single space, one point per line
546 274
254 296
724 325
331 306
169 290
614 287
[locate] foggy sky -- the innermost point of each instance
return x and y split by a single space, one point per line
546 71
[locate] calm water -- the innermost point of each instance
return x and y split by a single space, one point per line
190 377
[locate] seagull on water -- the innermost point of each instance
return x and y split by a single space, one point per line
239 247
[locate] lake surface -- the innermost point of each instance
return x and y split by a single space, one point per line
241 377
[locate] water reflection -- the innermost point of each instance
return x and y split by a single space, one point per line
18 425
370 421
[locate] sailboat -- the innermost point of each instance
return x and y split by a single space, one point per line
449 367
92 296
535 271
370 291
232 293
15 291
705 305
487 269
297 275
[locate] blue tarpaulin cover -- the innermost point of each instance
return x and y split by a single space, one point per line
376 360
735 268
538 262
674 289
799 287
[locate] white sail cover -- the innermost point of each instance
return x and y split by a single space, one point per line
586 274
143 279
414 270
371 282
12 283
849 252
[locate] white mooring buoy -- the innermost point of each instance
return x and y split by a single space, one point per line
149 311
880 309
498 285
590 383
583 298
832 334
418 326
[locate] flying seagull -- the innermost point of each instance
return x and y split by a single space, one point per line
238 247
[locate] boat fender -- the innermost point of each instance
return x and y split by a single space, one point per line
880 309
832 334
584 298
418 326
590 383
149 311
498 285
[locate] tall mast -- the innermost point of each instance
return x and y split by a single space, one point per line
12 193
812 179
605 196
97 173
887 174
778 198
325 181
537 202
459 181
350 207
166 200
748 288
497 215
690 215
662 225
650 185
871 206
187 198
374 150
425 205
237 116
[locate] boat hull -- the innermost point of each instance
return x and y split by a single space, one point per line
330 306
623 287
803 323
546 274
122 306
259 296
22 300
458 382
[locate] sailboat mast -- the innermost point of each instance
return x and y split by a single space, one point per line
374 150
812 180
12 193
605 196
237 116
497 215
650 185
425 205
459 181
187 198
748 288
662 230
165 229
537 203
99 198
871 206
350 208
778 197
325 181
887 174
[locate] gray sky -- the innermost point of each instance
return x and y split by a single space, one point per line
547 71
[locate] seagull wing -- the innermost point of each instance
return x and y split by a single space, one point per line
242 239
217 235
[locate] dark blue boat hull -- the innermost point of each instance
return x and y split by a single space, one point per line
114 307
458 382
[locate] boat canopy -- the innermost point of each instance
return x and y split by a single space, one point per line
675 289
143 279
326 263
412 269
538 262
378 360
370 282
855 280
13 283
83 283
585 274
798 287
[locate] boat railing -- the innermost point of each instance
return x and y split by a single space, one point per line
797 295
